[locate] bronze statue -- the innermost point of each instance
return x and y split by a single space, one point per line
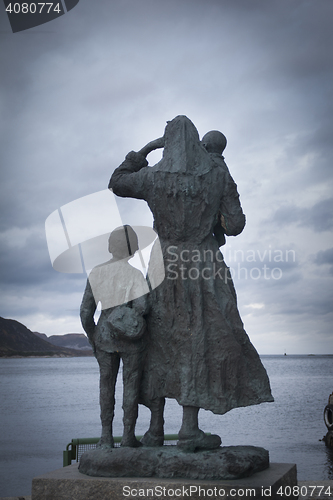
197 349
120 332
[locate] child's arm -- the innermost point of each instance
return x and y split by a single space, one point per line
87 311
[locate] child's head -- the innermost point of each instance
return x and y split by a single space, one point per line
214 142
123 242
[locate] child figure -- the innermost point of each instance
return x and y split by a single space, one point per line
120 331
215 143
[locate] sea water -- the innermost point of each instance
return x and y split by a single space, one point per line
45 402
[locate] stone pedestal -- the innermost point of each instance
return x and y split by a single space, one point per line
69 484
169 462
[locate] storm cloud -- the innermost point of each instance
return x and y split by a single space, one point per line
81 91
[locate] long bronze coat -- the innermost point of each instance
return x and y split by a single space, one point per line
198 350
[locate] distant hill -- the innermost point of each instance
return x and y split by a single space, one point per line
77 341
17 340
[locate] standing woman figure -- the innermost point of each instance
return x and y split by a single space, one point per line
198 351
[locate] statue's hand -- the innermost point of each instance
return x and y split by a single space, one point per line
148 148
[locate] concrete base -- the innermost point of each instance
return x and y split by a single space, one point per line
68 484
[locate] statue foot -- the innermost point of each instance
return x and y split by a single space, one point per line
105 443
200 442
152 440
130 442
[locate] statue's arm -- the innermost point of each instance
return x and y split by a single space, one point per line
87 311
127 179
151 146
232 217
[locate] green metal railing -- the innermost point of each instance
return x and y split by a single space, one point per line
76 447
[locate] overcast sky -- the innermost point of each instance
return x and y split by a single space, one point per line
79 92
